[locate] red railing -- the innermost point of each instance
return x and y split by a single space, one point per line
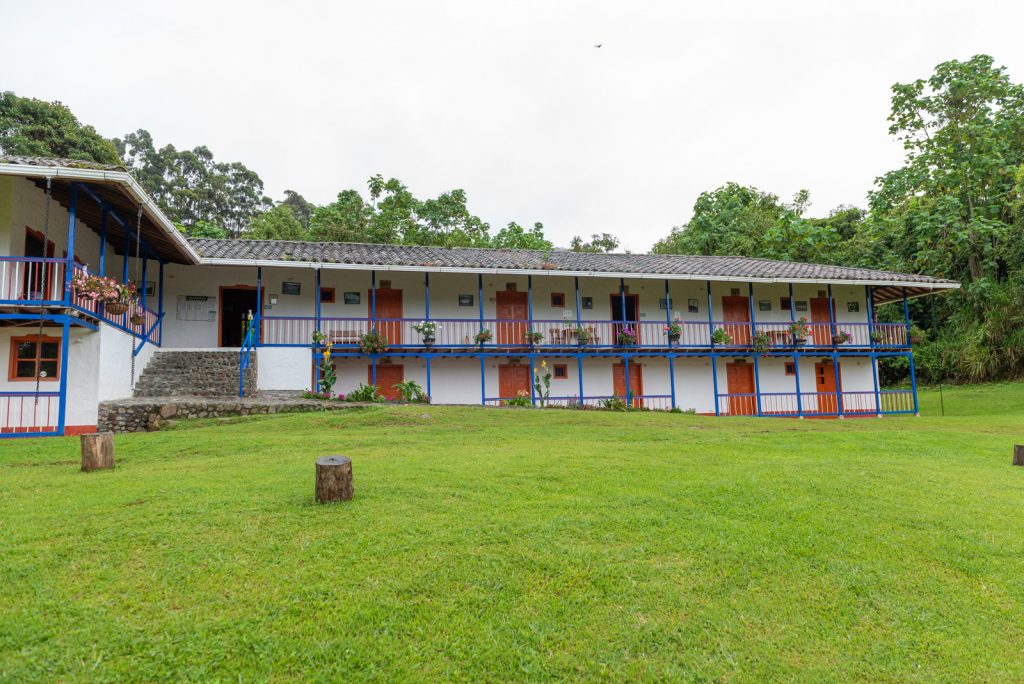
28 412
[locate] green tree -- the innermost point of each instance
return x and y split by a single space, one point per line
514 236
346 219
278 223
302 208
36 128
599 242
203 229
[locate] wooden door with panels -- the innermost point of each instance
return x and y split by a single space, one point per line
636 382
512 312
513 379
825 386
742 388
388 375
389 313
736 318
822 314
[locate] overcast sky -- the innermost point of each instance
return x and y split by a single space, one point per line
512 101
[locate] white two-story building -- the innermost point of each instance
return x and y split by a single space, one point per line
716 335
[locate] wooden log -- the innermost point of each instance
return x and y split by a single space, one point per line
1018 454
97 451
333 479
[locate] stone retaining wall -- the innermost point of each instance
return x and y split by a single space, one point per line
145 414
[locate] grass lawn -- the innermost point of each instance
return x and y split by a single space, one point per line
515 544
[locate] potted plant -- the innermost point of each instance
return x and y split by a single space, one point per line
482 337
877 336
627 336
533 338
113 295
428 329
721 337
916 335
584 335
372 343
137 318
800 330
841 337
522 399
674 331
761 343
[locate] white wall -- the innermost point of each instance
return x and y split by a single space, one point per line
283 368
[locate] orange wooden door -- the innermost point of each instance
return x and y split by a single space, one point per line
512 380
825 386
388 375
740 378
389 306
636 382
513 316
821 334
736 314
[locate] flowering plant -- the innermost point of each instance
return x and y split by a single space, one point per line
627 335
720 336
534 337
841 337
800 329
877 336
426 328
522 398
584 335
372 343
482 337
542 383
100 289
674 329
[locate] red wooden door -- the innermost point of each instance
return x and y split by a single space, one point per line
636 382
512 317
512 380
740 378
821 334
825 386
736 314
388 375
389 313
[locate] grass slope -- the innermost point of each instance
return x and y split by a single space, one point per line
526 545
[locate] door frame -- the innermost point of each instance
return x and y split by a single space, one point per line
635 298
220 308
741 401
517 323
502 367
382 391
836 393
634 367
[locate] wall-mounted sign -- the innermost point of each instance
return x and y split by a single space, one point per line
692 306
351 297
197 308
150 288
587 302
664 303
289 288
801 305
853 307
764 305
465 300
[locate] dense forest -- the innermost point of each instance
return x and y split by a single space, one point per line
954 209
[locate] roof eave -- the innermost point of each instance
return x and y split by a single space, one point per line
122 178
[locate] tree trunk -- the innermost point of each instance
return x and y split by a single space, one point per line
1018 454
97 451
333 479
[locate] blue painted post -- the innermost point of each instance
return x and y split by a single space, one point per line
839 386
373 369
529 306
871 315
127 251
625 358
429 393
316 296
483 382
672 378
750 301
70 262
714 380
480 300
711 328
668 312
579 374
796 372
757 384
579 320
259 302
533 389
373 300
913 383
906 317
63 401
831 311
792 305
874 379
103 242
426 306
145 272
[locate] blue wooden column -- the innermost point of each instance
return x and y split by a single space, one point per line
792 306
483 381
579 320
839 382
579 373
874 380
160 301
625 357
750 301
145 272
70 261
103 242
373 300
711 324
65 342
671 358
757 383
316 296
714 381
913 383
871 315
796 372
259 303
906 316
429 357
127 251
480 298
831 311
533 388
426 300
529 304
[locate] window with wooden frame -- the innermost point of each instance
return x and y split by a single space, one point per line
34 355
560 371
790 368
558 299
326 295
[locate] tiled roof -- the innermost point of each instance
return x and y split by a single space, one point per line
56 162
554 261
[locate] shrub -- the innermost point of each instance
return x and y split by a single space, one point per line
364 393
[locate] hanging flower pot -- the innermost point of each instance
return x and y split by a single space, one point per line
115 308
428 340
137 319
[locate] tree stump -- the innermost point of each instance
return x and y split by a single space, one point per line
333 479
1018 454
97 451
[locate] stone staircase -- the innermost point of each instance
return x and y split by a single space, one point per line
202 373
